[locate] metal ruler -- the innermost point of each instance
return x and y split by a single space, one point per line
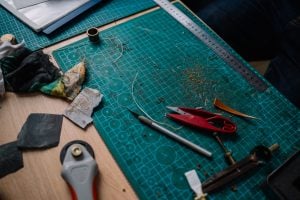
232 60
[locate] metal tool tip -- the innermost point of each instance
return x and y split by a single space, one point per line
133 113
274 147
171 108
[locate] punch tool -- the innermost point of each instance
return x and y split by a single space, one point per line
258 156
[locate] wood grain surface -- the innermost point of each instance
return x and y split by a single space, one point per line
40 178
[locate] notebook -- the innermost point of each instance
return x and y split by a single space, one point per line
25 3
39 16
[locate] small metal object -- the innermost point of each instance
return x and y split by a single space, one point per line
82 143
76 151
274 147
93 34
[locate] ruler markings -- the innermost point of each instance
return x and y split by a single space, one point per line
233 61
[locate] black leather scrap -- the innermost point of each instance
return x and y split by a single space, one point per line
11 159
27 71
40 131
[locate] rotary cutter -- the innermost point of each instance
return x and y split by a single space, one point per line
79 169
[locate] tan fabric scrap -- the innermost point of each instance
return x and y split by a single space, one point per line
73 80
219 104
81 109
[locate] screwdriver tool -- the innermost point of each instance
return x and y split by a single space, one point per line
79 169
227 154
258 156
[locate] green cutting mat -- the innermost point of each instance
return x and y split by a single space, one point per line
99 15
174 68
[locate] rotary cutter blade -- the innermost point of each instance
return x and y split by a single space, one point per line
79 170
83 143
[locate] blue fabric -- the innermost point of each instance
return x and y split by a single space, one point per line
262 29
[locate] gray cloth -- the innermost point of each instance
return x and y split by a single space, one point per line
40 131
11 159
2 88
6 48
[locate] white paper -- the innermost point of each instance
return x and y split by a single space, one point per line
25 3
43 14
194 182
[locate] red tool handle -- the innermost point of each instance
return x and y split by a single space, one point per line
202 119
94 191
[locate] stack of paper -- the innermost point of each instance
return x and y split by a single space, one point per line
47 15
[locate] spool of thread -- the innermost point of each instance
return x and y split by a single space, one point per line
93 34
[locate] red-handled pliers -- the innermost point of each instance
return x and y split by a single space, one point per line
199 118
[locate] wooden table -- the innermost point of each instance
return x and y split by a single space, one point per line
40 178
